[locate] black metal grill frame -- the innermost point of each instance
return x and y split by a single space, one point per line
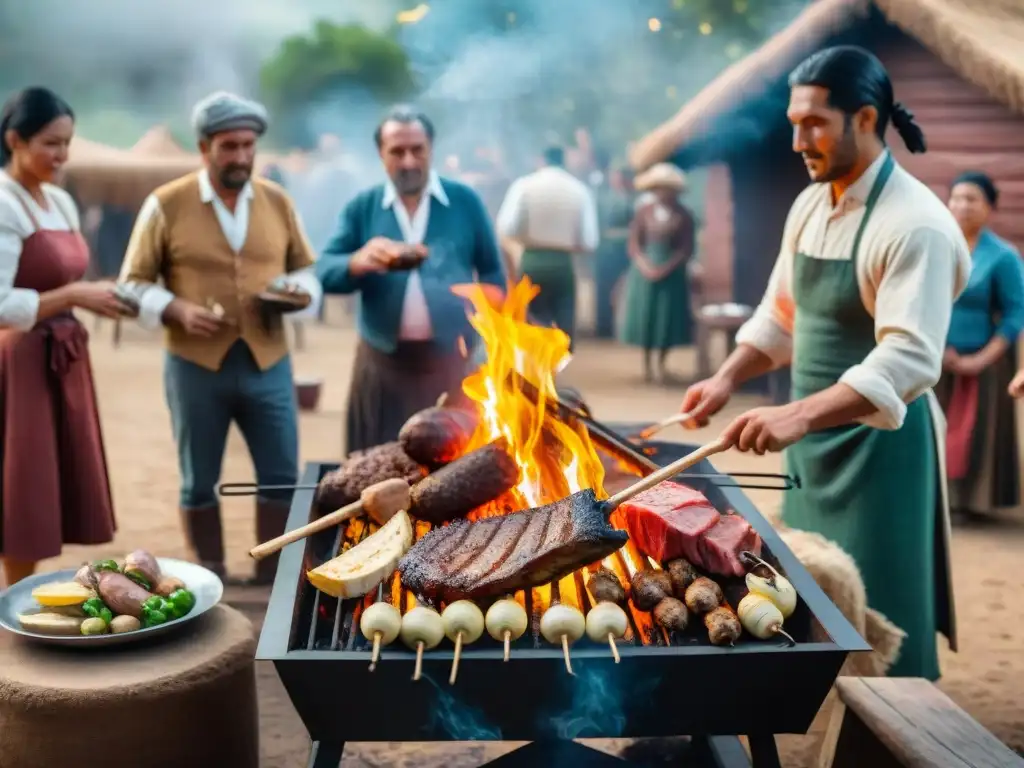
756 688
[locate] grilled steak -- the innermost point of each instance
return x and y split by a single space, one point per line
500 555
671 521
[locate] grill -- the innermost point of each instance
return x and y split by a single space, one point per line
664 686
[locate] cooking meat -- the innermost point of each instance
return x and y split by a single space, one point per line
436 436
649 587
467 483
605 586
672 614
503 554
682 574
720 546
361 470
671 521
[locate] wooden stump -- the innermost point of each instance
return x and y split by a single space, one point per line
186 699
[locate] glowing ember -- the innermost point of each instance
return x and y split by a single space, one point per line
555 459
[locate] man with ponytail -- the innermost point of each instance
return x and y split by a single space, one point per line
858 306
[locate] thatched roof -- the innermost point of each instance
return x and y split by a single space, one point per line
158 141
982 40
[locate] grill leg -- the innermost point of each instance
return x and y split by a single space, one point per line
763 751
325 754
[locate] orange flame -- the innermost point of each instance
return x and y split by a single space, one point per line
555 459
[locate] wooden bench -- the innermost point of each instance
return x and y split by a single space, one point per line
883 722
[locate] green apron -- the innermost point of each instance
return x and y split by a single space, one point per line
657 314
874 492
553 273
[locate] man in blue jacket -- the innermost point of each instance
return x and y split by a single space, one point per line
410 323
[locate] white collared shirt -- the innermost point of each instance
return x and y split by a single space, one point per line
912 265
415 322
19 307
235 226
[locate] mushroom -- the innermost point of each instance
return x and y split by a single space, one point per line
422 629
380 623
606 622
463 624
506 621
563 624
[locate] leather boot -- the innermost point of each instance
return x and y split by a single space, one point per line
271 521
204 534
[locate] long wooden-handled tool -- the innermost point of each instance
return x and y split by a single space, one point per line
667 472
648 432
380 502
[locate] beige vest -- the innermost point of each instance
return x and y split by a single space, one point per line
551 211
200 266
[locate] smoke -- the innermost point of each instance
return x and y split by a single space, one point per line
500 78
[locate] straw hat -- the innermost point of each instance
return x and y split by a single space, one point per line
661 175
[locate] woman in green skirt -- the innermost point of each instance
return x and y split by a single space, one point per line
661 242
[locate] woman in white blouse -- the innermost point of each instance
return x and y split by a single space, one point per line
54 484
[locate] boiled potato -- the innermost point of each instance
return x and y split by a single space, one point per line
50 624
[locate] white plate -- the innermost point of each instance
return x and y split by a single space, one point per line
201 582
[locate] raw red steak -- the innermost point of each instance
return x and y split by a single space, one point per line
720 546
668 520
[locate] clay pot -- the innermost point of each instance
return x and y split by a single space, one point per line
308 393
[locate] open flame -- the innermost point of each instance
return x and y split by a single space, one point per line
555 459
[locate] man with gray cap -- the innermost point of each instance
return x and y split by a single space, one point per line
231 254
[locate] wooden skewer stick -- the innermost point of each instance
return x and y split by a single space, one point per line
651 431
375 656
418 670
615 648
565 653
455 661
508 643
381 501
667 472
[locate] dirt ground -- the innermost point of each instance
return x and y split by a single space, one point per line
985 677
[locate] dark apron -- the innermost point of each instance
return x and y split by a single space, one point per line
552 271
876 493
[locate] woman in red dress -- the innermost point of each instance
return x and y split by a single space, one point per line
53 486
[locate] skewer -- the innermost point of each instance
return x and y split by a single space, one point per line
422 629
565 624
648 432
466 622
506 620
607 621
615 650
381 622
381 501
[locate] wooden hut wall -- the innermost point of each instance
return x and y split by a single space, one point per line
966 129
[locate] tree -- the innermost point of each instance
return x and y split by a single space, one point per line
332 61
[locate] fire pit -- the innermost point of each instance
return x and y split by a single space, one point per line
665 685
661 688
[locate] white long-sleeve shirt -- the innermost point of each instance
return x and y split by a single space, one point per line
912 265
20 306
550 208
235 226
